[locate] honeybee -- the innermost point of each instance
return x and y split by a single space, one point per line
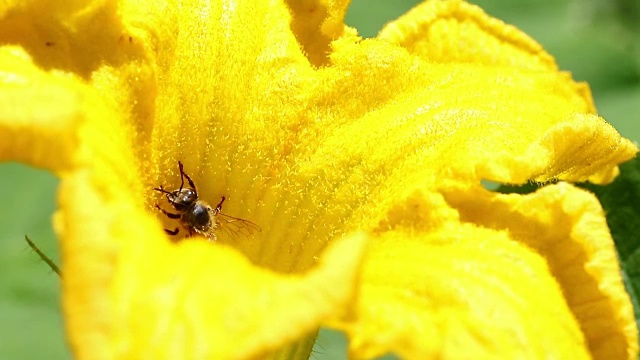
197 217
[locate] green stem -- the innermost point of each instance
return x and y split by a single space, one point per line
42 255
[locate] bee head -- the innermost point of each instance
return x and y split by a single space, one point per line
182 199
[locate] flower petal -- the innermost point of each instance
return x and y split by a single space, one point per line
87 40
193 82
567 227
287 138
456 31
75 36
28 96
450 121
514 276
316 23
195 299
126 288
231 89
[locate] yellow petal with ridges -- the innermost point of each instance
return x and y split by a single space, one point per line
311 154
117 260
568 228
194 299
27 97
316 23
460 298
455 287
456 31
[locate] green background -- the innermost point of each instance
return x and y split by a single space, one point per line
598 41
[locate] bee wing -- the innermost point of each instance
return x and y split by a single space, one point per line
235 226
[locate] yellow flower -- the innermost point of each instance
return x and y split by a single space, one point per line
361 160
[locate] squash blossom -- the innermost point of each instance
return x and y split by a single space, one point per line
360 159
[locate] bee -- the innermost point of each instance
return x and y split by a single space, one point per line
198 217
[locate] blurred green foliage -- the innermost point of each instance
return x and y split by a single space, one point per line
597 40
31 322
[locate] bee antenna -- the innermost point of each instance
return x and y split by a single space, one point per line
182 174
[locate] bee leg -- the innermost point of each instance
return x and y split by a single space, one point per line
168 214
172 232
218 208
